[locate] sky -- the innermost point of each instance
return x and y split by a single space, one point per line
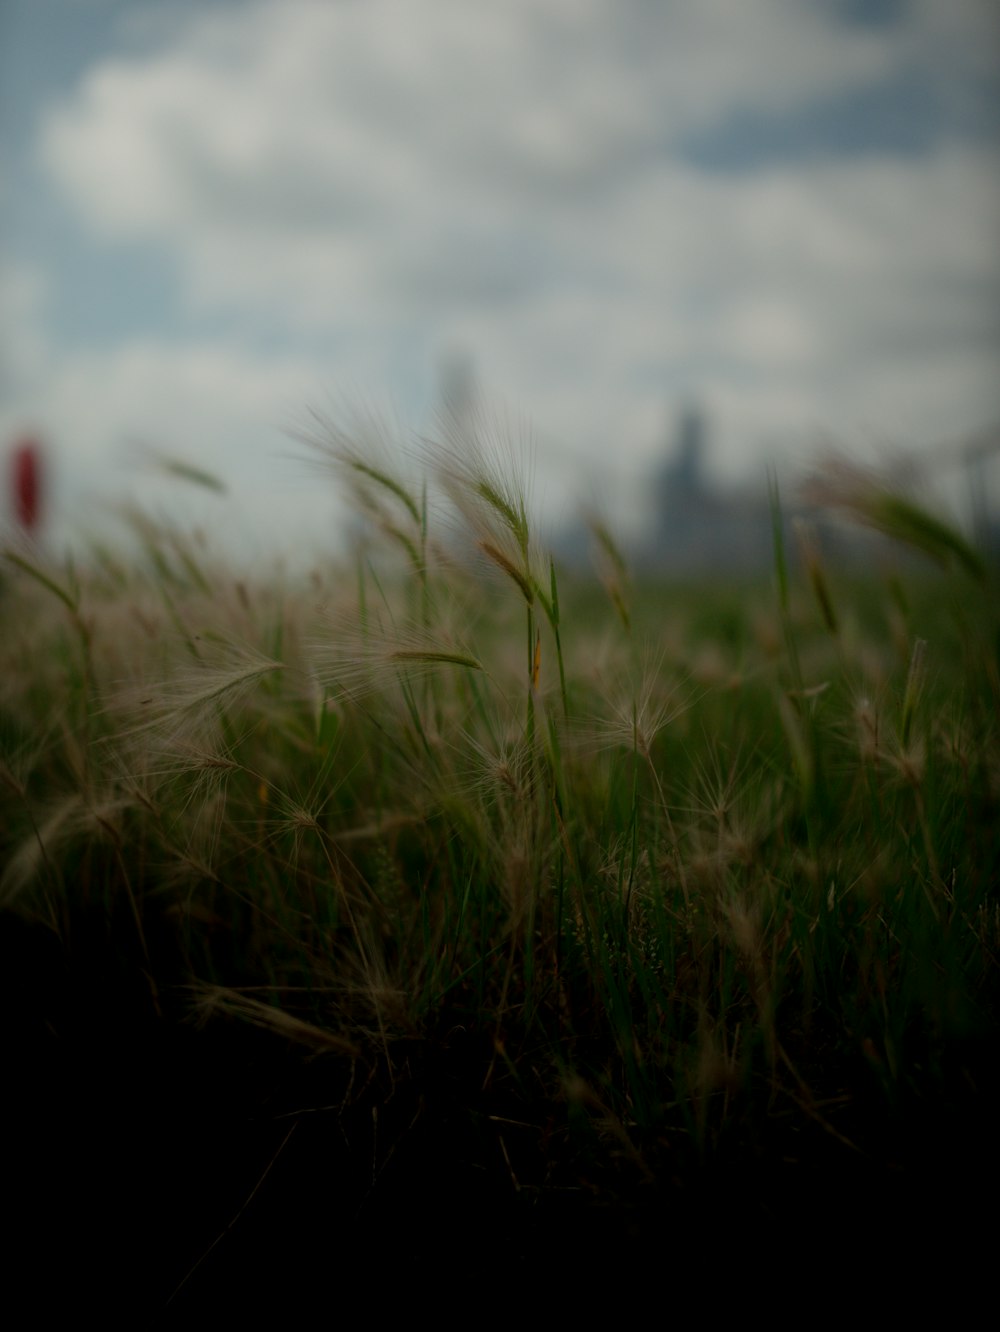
218 216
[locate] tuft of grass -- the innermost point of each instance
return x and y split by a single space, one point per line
603 895
864 496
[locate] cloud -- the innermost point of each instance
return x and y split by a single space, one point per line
106 414
23 296
375 150
377 183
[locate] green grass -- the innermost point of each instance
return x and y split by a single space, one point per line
563 898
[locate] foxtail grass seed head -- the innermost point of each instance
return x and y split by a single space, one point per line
914 688
867 719
65 590
865 496
183 470
638 705
355 660
612 567
194 696
74 820
482 467
367 453
817 575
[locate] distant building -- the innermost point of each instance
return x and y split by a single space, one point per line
698 527
685 475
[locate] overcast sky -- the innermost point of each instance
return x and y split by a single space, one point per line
215 215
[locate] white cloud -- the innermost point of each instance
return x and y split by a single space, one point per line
23 296
508 178
358 134
105 416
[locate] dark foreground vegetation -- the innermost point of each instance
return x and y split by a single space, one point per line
449 917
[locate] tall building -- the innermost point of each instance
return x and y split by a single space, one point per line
698 527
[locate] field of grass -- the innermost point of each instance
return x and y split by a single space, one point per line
446 907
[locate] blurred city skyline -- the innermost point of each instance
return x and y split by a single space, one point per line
215 217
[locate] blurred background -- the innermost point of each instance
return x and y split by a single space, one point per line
671 242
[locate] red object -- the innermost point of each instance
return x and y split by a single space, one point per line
27 483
